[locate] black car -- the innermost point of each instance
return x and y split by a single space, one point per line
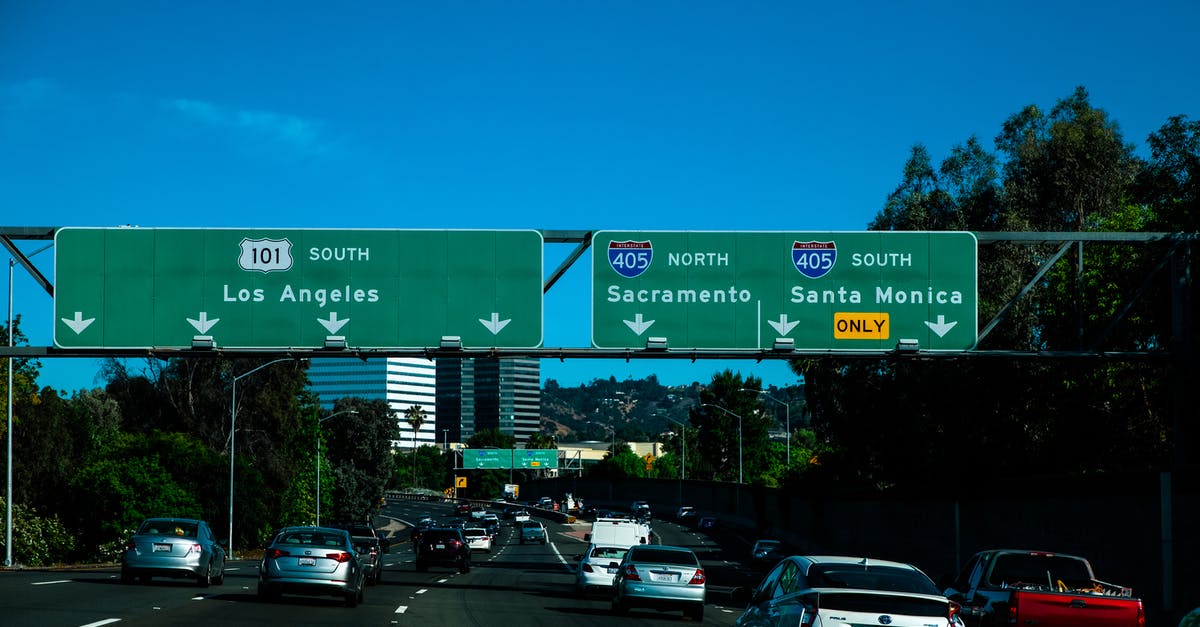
419 529
444 547
371 546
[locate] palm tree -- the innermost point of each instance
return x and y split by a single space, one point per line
415 416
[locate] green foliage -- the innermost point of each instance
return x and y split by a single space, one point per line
37 541
359 449
118 490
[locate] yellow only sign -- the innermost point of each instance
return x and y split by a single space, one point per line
861 326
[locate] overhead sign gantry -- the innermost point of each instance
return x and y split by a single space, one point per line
804 290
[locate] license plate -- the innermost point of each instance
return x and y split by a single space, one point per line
439 546
611 570
162 548
664 576
308 561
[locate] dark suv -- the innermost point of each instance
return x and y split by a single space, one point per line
370 546
445 547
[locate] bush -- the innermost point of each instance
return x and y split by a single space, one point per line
37 541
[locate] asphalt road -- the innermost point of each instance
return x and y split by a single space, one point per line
516 584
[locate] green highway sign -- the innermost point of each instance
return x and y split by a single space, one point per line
297 288
535 458
487 459
820 290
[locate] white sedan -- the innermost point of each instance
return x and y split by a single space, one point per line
478 539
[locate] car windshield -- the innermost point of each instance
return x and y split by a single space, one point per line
662 556
867 577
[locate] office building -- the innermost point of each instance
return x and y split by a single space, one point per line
460 397
400 382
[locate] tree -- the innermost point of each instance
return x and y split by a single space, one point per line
732 429
415 417
360 455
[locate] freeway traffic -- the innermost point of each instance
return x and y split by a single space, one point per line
526 584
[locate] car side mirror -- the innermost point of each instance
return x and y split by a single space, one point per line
740 597
587 537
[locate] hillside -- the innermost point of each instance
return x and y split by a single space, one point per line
637 408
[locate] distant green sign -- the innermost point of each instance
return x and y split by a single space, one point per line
504 459
296 288
487 459
535 458
821 290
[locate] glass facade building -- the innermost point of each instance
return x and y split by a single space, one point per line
400 382
460 396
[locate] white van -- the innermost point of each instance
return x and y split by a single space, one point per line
620 532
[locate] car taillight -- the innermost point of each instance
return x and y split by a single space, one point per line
131 545
631 573
587 568
274 553
195 548
698 578
340 557
1141 615
954 610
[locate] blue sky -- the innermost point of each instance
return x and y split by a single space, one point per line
689 115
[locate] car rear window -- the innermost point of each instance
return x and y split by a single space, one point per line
310 538
474 532
662 556
610 552
168 528
441 534
1023 567
870 577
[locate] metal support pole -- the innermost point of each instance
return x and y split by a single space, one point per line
8 490
232 434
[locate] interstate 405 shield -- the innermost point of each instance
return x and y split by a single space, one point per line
821 290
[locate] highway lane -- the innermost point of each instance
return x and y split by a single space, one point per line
516 584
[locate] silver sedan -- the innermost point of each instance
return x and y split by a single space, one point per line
661 578
314 561
174 547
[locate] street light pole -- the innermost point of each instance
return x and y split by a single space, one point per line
8 490
787 413
682 457
348 411
233 434
739 419
8 495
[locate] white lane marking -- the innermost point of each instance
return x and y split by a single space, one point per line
443 580
562 559
402 609
422 590
228 569
46 583
101 622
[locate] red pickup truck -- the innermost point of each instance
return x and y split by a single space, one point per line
1005 587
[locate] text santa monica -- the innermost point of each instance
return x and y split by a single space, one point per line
883 296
